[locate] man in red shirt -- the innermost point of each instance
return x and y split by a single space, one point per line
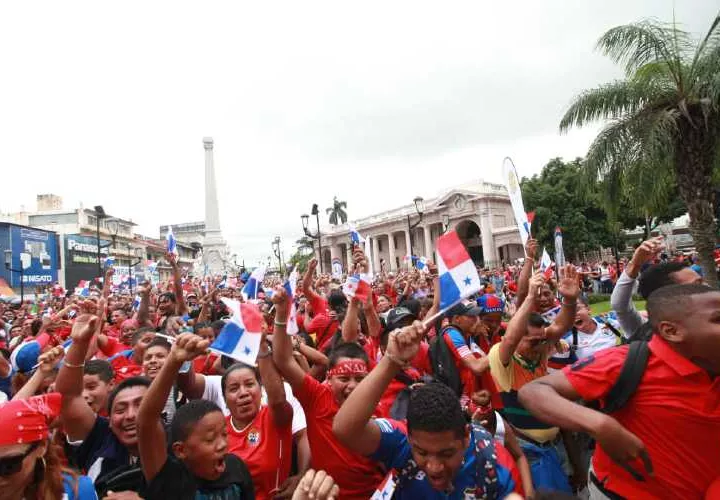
663 443
356 475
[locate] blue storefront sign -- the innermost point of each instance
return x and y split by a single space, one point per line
33 250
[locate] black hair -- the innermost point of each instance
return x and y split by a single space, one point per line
188 415
535 319
336 300
100 367
137 334
657 276
218 325
35 326
5 353
167 295
412 305
201 325
347 350
673 301
434 407
238 366
160 342
126 384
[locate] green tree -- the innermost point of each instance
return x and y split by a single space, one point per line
559 197
664 117
304 244
337 212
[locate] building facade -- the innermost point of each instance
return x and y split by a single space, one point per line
480 213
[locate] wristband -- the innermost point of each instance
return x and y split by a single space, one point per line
263 355
70 365
280 323
566 303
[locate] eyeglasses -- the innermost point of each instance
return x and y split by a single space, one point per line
12 465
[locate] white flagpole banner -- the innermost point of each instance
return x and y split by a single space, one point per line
512 183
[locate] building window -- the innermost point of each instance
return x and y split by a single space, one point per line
91 220
379 244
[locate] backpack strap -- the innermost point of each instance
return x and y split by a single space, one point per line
575 338
630 375
486 477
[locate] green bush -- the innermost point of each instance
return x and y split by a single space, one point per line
594 298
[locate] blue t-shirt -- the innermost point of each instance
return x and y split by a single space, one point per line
697 269
395 453
83 486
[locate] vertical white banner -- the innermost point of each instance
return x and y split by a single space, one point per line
512 183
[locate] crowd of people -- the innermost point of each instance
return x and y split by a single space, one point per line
519 391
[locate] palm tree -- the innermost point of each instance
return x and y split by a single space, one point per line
664 118
337 212
305 243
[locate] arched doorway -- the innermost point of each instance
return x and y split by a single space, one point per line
469 233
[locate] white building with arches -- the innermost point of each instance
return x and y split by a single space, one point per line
480 212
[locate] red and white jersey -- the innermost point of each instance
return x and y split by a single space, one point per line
265 449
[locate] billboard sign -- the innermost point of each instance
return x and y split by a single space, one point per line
35 251
81 262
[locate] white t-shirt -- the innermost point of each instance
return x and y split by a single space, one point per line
213 392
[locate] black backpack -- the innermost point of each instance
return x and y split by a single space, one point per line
630 375
443 363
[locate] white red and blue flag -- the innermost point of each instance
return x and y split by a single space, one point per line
358 286
386 489
171 242
458 276
83 288
546 264
254 283
290 286
421 264
355 236
241 335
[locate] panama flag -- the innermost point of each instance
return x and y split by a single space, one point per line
136 302
358 286
241 335
290 285
355 237
458 276
171 242
253 285
421 264
386 489
109 261
546 265
83 288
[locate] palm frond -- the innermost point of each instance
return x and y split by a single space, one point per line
635 45
616 99
710 42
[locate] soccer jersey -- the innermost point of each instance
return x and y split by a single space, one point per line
356 475
587 343
266 450
395 453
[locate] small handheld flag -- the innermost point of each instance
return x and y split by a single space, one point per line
254 283
240 337
421 264
458 276
355 237
546 265
171 242
109 261
386 489
290 286
358 286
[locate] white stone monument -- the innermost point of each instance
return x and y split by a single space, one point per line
214 246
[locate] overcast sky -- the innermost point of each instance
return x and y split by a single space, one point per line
375 102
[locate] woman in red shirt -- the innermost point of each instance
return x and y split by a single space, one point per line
260 435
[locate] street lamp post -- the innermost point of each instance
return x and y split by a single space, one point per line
305 218
276 251
99 214
419 208
8 266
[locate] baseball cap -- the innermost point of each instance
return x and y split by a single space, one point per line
463 310
396 315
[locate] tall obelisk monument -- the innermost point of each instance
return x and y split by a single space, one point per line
214 247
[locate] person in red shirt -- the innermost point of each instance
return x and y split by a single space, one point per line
259 435
663 442
356 475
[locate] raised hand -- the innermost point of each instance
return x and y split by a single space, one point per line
531 248
569 286
49 359
84 327
188 346
537 280
647 250
312 265
281 301
317 486
404 343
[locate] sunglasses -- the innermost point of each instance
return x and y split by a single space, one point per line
12 465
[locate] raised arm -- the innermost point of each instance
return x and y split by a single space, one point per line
282 412
143 312
282 345
526 271
517 328
570 291
350 323
107 281
307 282
177 285
77 416
353 424
151 435
47 362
